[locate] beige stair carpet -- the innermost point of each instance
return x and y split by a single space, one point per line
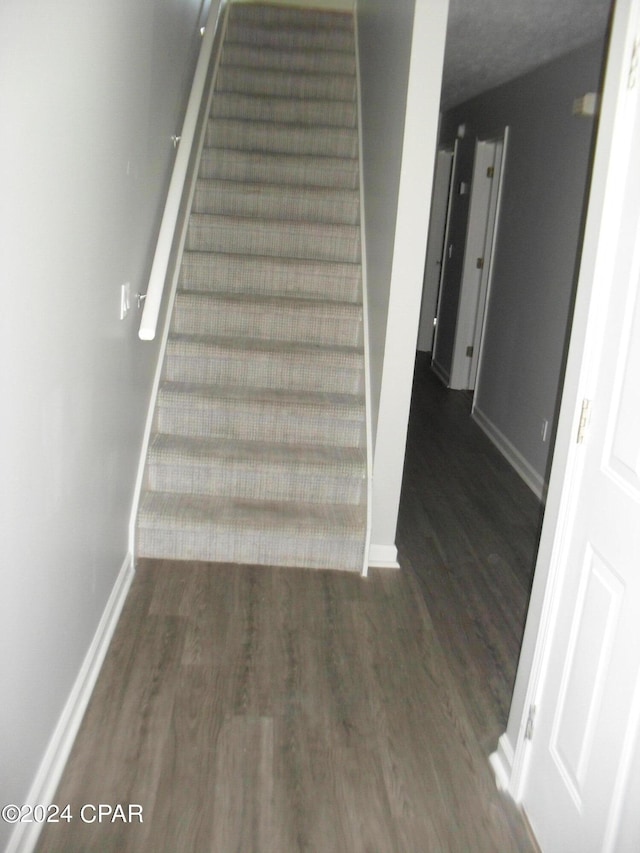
257 453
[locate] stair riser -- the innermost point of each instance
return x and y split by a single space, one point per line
273 324
289 39
229 274
278 139
222 164
209 544
290 16
283 110
274 239
256 422
264 372
227 198
318 62
221 479
338 87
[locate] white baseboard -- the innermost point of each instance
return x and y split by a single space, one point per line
510 453
383 557
440 372
501 762
25 835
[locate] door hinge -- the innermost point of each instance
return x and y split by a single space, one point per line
633 65
469 352
528 731
480 263
491 172
585 415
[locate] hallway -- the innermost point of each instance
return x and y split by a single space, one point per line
261 709
468 528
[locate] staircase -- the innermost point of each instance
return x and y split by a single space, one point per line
258 448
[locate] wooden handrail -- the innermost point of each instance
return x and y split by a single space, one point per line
160 265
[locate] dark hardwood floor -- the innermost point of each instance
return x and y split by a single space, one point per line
468 528
280 710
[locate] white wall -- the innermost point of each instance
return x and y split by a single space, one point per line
534 265
90 93
401 54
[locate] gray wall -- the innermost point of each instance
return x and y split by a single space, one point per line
384 35
90 93
547 167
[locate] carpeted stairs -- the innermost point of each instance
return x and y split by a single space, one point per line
257 453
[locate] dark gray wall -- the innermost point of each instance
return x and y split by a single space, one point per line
535 260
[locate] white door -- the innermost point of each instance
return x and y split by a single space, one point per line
487 255
582 762
435 248
477 262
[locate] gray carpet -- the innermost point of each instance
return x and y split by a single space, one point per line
257 453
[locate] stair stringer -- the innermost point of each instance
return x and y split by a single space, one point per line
365 313
176 261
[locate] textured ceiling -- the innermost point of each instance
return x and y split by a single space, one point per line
492 41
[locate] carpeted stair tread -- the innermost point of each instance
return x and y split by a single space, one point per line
273 237
279 59
303 170
282 15
268 318
271 137
240 274
284 110
261 516
264 363
254 532
312 204
260 414
305 457
288 37
259 470
344 405
312 85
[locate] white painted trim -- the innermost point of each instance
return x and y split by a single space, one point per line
502 143
383 557
478 225
221 24
480 337
501 762
173 204
365 313
439 371
25 835
511 453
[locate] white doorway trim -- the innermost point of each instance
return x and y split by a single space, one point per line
486 184
440 200
493 222
436 364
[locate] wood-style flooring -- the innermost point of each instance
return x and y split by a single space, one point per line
281 710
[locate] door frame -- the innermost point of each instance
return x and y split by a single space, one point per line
489 252
481 233
435 364
430 295
608 181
